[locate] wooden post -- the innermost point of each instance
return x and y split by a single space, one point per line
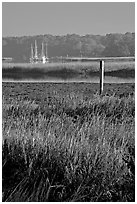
101 76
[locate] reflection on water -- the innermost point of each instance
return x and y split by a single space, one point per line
118 80
107 79
63 74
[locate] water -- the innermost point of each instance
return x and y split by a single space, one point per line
63 73
89 80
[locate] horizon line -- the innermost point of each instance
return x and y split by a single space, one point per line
81 35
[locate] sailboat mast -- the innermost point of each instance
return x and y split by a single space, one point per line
36 50
32 54
42 51
46 51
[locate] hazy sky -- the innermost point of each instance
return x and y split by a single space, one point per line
23 18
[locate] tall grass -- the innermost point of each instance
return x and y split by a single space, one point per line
69 149
109 65
66 71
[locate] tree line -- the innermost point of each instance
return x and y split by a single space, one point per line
73 45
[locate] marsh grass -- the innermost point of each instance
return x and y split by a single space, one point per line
67 70
69 149
110 65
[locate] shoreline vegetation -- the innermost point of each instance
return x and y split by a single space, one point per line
67 71
109 45
66 143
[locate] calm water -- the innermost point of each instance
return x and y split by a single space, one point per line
107 79
114 73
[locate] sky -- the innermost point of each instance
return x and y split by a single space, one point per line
61 18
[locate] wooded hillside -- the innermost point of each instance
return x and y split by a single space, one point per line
72 45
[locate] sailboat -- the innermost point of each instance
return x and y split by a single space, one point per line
44 58
34 58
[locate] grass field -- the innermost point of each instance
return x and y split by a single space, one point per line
65 143
124 69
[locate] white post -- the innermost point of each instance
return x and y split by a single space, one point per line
101 76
